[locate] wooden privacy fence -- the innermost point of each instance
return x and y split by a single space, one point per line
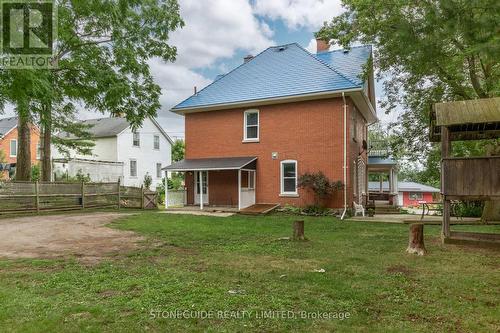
17 197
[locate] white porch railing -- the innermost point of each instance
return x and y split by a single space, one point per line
176 198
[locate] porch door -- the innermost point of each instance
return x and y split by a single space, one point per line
205 187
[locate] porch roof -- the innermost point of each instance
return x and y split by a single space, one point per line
206 164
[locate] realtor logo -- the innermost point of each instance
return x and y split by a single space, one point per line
29 29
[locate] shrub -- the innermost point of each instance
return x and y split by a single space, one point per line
148 180
319 184
468 209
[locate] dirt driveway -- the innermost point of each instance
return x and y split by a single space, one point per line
84 236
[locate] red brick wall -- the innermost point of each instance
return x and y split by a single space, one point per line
5 145
427 197
310 132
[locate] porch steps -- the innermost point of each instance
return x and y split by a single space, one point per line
386 209
259 209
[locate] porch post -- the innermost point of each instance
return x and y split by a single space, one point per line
239 189
391 181
381 178
166 189
200 179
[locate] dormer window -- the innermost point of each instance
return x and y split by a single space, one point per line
251 126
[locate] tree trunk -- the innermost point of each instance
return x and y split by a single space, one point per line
298 230
23 164
416 242
46 138
491 211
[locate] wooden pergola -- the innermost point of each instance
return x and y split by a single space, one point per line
465 179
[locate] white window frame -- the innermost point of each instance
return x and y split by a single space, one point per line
419 194
38 150
130 168
251 180
10 148
154 142
134 133
282 178
245 138
158 174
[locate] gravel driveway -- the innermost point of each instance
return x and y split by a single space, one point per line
84 236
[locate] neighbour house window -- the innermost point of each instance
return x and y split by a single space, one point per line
136 140
158 170
157 142
416 196
289 177
13 148
251 125
133 168
38 151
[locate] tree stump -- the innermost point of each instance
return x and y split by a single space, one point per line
298 230
416 242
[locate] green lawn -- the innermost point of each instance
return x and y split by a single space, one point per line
191 263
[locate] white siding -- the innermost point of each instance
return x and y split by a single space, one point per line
121 149
146 155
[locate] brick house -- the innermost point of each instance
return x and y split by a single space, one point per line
254 131
9 145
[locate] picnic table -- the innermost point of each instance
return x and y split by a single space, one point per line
436 207
427 205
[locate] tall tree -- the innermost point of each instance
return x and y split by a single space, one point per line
178 150
103 53
428 51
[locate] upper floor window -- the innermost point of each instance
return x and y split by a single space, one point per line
156 142
251 125
136 139
13 148
289 177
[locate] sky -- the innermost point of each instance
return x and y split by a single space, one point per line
216 37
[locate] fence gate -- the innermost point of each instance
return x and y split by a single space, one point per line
150 200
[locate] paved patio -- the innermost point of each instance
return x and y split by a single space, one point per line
411 218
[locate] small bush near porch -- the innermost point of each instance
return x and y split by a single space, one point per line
201 263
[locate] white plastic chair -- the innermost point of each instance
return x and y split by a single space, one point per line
359 209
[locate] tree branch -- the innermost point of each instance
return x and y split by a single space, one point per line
474 78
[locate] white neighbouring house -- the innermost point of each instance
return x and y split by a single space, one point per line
120 153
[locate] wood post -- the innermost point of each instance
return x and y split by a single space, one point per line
119 195
298 230
142 196
83 195
416 240
37 198
445 152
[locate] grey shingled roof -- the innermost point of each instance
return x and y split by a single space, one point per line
202 164
6 124
403 187
105 127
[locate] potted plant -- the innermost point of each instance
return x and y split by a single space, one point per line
371 212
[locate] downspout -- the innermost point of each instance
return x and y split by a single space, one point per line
345 157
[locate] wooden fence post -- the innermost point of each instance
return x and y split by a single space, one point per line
37 198
142 196
83 195
119 197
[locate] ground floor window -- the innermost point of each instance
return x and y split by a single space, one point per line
289 177
158 170
416 196
133 168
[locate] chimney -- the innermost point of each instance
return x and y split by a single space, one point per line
322 45
247 58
